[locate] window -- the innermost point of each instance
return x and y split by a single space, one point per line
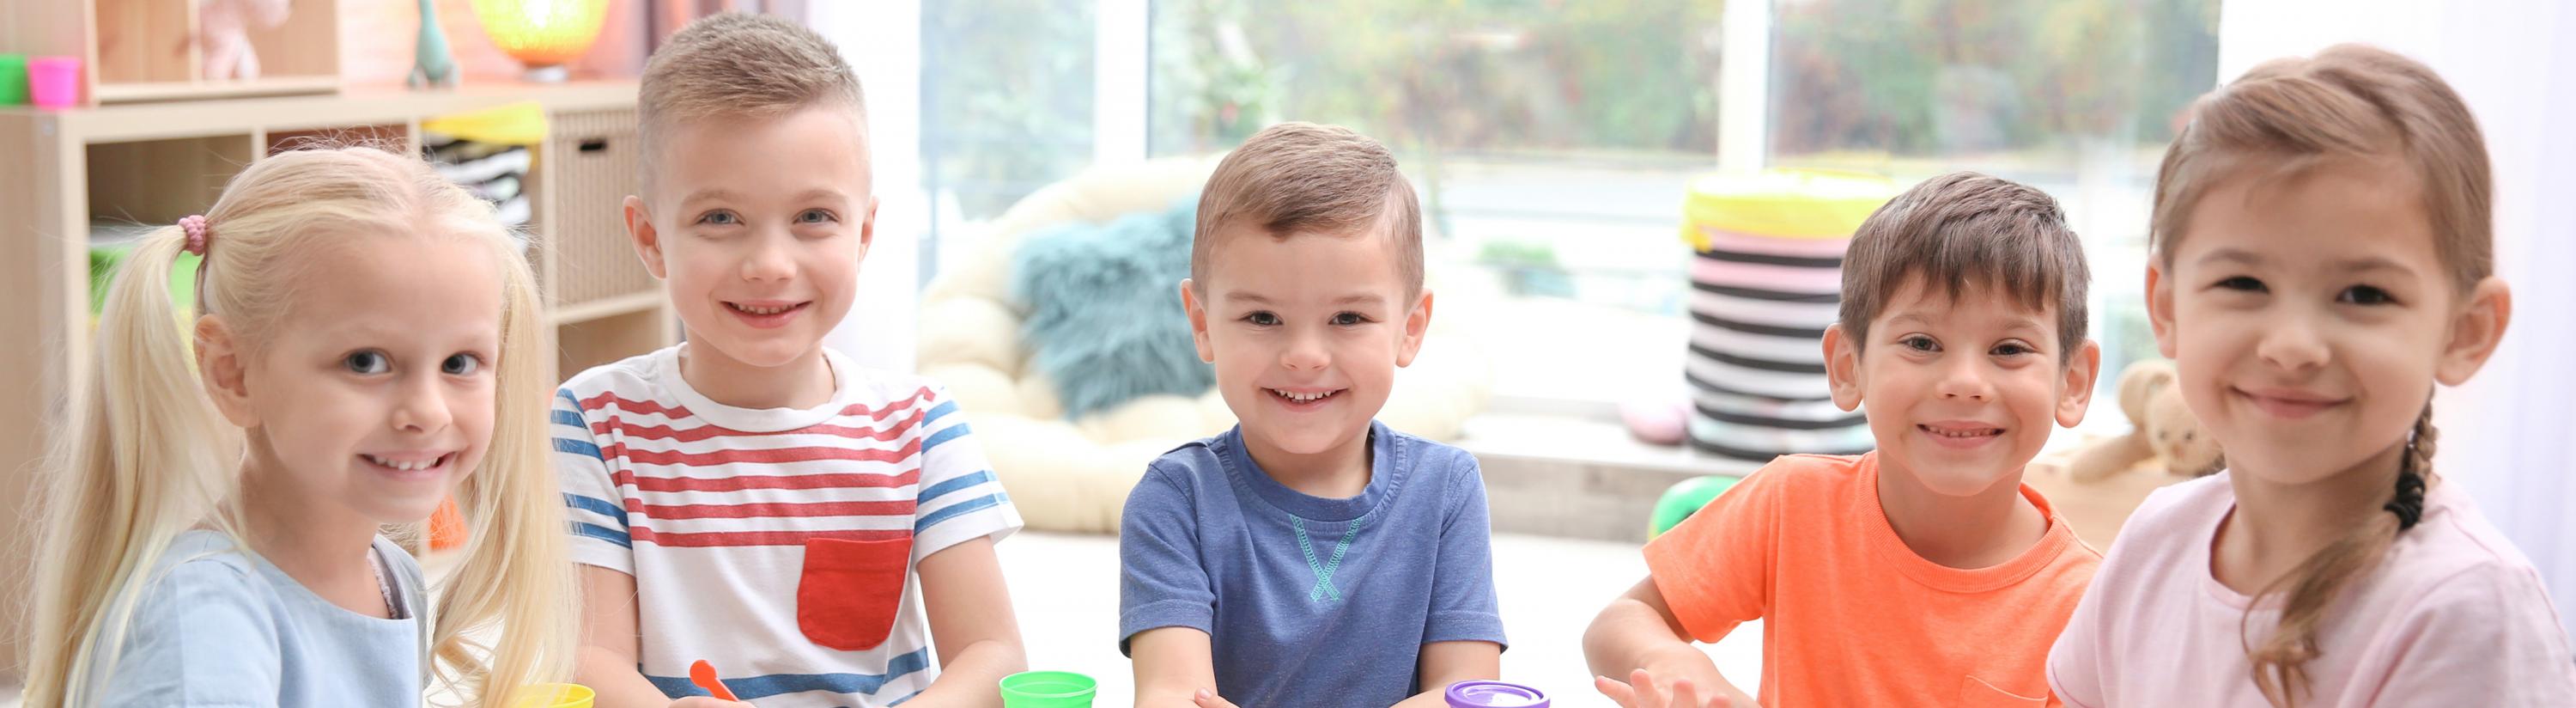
1006 106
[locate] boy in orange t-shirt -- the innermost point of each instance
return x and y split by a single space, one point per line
1924 573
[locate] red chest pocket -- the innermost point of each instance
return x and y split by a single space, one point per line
849 593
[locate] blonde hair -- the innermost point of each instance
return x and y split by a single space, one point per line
2288 115
741 65
1302 177
148 458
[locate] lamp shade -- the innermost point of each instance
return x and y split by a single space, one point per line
542 33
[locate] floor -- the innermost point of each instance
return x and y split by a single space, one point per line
1065 588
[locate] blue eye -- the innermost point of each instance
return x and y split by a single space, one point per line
366 361
460 365
816 216
1347 319
720 218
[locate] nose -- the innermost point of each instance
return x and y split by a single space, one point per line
1963 379
422 406
1305 352
2292 345
770 258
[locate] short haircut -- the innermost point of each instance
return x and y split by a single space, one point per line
1963 229
741 65
1305 178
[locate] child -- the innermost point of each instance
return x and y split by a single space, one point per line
749 497
366 342
2322 257
1310 556
1924 572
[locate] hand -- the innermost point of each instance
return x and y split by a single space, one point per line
1207 698
1641 691
705 702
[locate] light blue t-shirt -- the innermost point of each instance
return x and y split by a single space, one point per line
1310 601
225 628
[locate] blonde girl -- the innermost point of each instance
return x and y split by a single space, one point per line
2322 256
366 342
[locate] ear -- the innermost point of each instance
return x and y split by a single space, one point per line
2081 371
648 243
2160 307
1198 320
223 370
868 228
2475 332
1842 367
1416 322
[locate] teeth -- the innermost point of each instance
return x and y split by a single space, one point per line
1303 397
1980 432
763 310
407 465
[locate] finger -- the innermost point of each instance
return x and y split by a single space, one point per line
1618 692
1684 694
1649 695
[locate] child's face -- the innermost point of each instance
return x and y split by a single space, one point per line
2310 317
759 226
1306 334
1960 393
375 395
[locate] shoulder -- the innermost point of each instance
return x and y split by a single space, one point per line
1434 462
1806 475
2179 508
632 379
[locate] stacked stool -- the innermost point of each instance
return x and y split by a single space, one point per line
1765 282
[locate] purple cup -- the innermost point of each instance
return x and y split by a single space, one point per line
1494 694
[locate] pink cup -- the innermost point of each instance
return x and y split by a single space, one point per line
54 82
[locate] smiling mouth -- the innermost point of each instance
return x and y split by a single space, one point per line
1961 433
1303 397
409 465
763 311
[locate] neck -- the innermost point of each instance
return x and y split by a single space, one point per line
2277 526
320 543
1339 472
803 382
1975 531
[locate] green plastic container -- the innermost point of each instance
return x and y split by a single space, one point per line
1048 689
13 79
1684 499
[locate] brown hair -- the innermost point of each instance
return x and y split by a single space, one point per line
741 65
1301 177
2286 116
1963 228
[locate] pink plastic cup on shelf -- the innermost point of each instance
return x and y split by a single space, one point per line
54 82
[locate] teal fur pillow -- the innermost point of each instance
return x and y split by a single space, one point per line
1104 308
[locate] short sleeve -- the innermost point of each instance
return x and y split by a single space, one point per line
2485 637
592 503
1160 581
200 637
1714 569
1463 605
958 498
2075 660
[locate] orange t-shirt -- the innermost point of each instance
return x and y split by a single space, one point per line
1851 616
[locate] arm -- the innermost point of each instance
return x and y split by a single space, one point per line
971 623
606 662
1638 632
1173 664
1445 663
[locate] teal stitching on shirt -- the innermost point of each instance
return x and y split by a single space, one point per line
1324 570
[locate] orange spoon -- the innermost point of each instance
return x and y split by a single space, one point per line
704 675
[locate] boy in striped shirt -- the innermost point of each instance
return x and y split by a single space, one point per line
810 527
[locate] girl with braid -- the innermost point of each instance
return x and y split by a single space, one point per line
2322 256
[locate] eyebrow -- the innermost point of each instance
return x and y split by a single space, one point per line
2017 322
720 194
1352 299
2348 265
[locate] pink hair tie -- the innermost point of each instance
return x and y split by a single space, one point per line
196 227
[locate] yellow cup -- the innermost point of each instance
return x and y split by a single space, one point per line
555 695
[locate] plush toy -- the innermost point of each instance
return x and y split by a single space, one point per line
2165 433
224 34
431 64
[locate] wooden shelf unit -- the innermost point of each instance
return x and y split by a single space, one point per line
115 169
147 50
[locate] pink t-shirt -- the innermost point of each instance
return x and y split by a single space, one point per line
2453 616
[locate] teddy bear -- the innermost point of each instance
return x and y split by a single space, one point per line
2165 432
224 29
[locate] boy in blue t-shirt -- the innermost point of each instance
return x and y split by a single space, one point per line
1310 556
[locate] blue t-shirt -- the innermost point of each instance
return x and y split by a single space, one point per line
1310 601
221 627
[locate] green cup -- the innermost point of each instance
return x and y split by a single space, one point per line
1048 689
13 79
